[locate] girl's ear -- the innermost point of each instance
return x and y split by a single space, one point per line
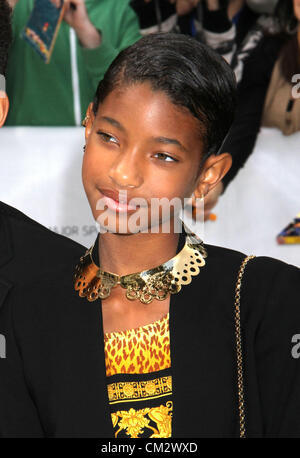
88 120
213 170
4 106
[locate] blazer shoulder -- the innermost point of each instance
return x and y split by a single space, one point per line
32 245
223 252
269 268
266 282
221 257
266 266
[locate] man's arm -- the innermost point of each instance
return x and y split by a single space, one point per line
121 32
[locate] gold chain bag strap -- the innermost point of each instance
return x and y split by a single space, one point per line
239 353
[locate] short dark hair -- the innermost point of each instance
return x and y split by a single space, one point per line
287 34
5 34
284 12
191 74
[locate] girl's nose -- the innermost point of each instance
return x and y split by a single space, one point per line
125 172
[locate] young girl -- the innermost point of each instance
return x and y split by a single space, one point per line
159 335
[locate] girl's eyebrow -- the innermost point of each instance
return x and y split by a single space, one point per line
163 140
113 122
170 141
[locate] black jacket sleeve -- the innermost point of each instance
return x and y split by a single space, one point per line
252 91
278 356
18 414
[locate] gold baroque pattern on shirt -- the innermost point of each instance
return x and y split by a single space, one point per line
138 351
137 390
134 421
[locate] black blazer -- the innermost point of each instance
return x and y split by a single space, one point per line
52 382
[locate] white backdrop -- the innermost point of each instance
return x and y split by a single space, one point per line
41 176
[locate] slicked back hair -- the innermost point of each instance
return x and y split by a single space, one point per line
191 74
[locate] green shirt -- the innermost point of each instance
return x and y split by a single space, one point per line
58 93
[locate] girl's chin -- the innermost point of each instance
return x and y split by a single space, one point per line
135 222
121 230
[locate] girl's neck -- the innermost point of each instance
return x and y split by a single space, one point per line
126 254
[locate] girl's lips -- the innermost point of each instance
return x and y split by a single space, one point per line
117 206
115 195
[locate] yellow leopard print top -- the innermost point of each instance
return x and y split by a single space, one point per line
138 351
138 373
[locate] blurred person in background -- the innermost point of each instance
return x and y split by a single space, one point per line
161 15
262 6
269 93
252 12
210 21
255 17
214 25
90 37
233 27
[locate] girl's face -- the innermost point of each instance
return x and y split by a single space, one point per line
297 9
141 143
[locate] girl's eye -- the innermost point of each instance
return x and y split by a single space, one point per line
107 138
165 157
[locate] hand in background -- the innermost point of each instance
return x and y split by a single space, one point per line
212 5
12 3
184 6
234 7
77 17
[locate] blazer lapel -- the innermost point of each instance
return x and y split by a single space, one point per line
203 361
184 348
5 286
96 337
193 366
106 427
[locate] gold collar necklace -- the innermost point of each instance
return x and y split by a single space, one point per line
156 283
